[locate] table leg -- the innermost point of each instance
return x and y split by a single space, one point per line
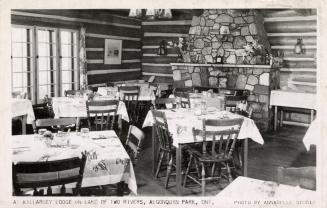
245 157
178 170
275 118
24 122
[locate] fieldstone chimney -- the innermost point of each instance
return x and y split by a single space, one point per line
226 33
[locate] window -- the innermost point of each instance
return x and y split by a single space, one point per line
69 61
44 61
21 56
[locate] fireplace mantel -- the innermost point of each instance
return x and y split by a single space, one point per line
224 65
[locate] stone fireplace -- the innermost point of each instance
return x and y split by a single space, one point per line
258 79
238 38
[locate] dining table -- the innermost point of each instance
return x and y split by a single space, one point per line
22 109
107 161
180 123
249 192
146 93
76 107
292 99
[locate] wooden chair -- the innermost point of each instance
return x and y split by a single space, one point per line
74 92
166 147
165 103
304 177
130 98
54 123
184 99
218 153
104 113
48 174
134 142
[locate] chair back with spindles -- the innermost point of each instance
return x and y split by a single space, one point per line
184 98
224 133
165 103
134 142
48 174
59 123
161 128
104 113
130 93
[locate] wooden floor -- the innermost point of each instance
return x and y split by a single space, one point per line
284 148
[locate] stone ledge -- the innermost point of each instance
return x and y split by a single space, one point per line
224 65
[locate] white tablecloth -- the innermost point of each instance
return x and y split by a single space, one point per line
312 135
293 99
183 120
146 93
76 107
243 188
20 107
107 161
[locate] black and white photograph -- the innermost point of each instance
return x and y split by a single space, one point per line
127 106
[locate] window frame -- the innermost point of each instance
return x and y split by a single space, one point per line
58 58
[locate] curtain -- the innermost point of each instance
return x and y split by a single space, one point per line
82 60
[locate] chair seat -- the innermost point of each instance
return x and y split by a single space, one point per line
197 153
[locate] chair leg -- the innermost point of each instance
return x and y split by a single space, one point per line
230 178
187 170
159 163
169 169
203 182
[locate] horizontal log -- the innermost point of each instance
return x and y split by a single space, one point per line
306 52
180 29
302 64
312 70
101 78
153 51
159 59
289 19
126 55
292 40
156 64
80 17
294 34
284 12
92 42
299 59
91 67
33 21
112 71
101 61
291 27
113 30
95 35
